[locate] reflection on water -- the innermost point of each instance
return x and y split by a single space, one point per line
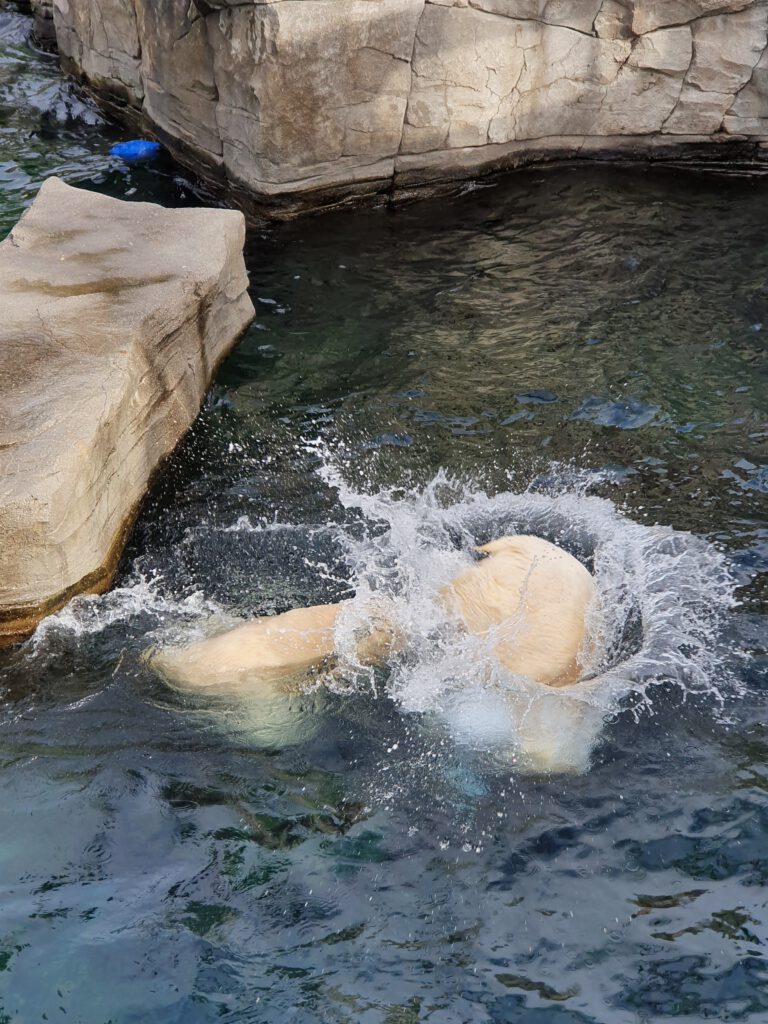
157 864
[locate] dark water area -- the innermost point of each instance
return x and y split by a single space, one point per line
589 343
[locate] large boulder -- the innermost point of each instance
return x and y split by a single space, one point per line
309 102
115 318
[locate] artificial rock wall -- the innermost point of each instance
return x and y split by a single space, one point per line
116 316
305 102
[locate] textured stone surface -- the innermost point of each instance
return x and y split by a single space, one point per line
115 316
102 41
42 12
44 28
284 99
311 91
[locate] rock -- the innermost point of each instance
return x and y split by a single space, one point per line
614 20
305 103
45 32
309 96
726 49
667 50
697 111
176 70
749 111
652 14
42 13
101 39
115 317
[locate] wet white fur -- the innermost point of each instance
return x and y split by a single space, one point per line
529 597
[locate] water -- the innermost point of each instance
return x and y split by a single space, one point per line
578 353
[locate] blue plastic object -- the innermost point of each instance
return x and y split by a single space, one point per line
135 150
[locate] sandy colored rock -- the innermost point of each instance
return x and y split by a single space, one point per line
45 32
115 317
301 103
311 92
176 71
668 50
652 14
749 111
726 50
102 40
565 13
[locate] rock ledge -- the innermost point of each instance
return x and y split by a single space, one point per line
295 104
115 318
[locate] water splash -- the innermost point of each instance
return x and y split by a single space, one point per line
662 601
663 598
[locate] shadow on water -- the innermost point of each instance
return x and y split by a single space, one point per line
494 353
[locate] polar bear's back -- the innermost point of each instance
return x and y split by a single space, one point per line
534 598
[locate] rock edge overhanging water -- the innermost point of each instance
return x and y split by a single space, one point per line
116 317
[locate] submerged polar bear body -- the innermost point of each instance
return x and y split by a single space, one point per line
267 655
271 655
528 597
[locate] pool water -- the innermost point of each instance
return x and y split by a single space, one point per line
575 352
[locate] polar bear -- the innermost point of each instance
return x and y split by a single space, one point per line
531 601
528 596
271 655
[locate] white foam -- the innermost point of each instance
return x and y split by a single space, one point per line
90 614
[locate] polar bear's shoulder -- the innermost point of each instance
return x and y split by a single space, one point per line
535 597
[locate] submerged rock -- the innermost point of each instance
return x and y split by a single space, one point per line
115 318
45 32
44 29
310 102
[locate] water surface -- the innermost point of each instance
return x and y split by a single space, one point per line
588 343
